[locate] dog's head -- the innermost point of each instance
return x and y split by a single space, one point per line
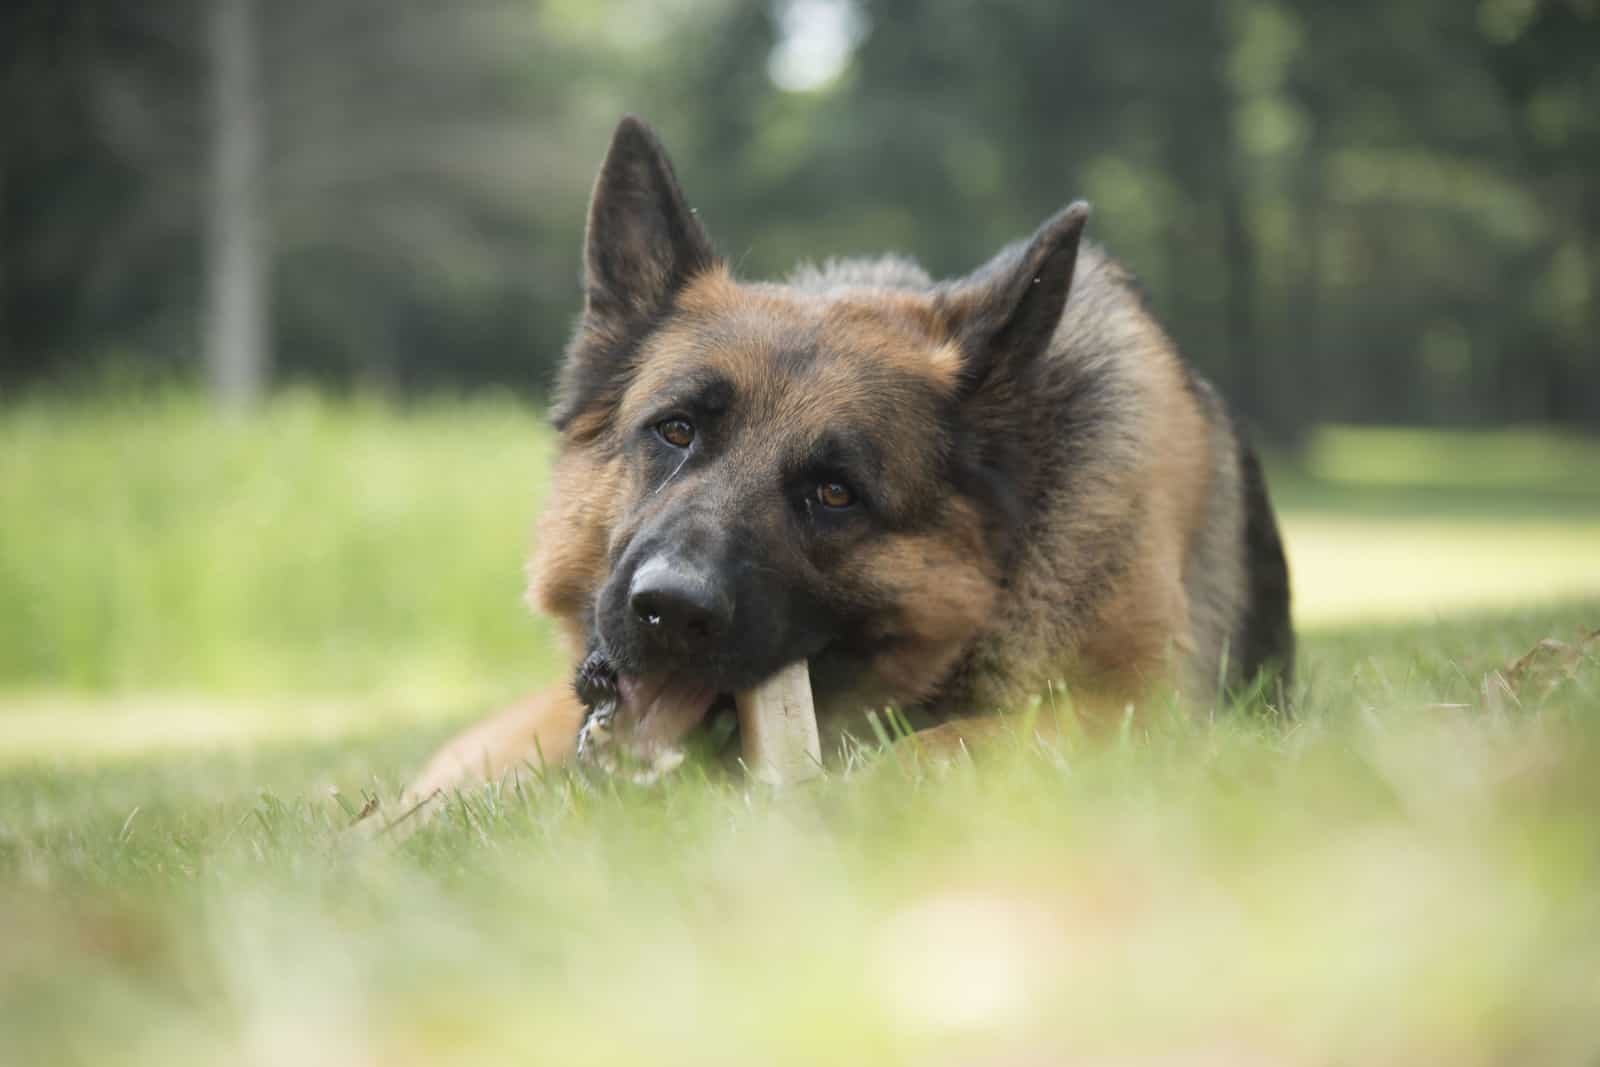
753 474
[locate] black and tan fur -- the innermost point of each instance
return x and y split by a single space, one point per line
1044 491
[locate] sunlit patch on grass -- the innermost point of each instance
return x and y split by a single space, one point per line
1366 568
1392 524
74 729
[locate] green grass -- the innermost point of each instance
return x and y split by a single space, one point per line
1388 880
340 547
214 637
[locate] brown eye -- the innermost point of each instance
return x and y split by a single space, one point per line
676 432
835 495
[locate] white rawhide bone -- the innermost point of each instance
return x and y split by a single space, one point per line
778 728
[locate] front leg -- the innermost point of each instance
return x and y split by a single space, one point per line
539 732
961 738
1091 714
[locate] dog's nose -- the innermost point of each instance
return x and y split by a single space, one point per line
676 603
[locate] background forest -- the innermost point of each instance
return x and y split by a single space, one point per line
1358 210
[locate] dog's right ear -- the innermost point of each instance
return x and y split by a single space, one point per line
644 243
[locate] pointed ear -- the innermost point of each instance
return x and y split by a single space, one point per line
643 245
643 241
1005 314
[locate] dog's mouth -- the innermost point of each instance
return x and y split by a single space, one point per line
642 727
657 711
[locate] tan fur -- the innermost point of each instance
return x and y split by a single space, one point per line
947 593
1148 619
937 618
1168 614
1214 573
570 560
539 732
894 329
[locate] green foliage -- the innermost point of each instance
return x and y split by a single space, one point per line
1528 459
1367 211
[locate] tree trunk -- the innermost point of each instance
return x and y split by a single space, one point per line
1250 390
1587 406
5 276
236 346
1301 342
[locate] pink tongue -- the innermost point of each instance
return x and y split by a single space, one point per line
659 710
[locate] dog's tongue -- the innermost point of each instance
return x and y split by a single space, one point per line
657 713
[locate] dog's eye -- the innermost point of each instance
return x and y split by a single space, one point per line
835 495
678 433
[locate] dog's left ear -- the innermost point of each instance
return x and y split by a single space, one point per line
1004 315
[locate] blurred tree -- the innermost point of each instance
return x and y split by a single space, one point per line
236 263
1545 61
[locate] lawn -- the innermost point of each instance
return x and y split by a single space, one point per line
216 636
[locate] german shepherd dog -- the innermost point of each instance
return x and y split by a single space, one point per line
944 496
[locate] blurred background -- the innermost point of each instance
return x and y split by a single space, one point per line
1367 211
1376 224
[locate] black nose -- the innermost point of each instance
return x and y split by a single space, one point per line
678 604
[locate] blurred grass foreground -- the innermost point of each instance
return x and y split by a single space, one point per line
219 636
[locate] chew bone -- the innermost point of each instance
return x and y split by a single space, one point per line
778 727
